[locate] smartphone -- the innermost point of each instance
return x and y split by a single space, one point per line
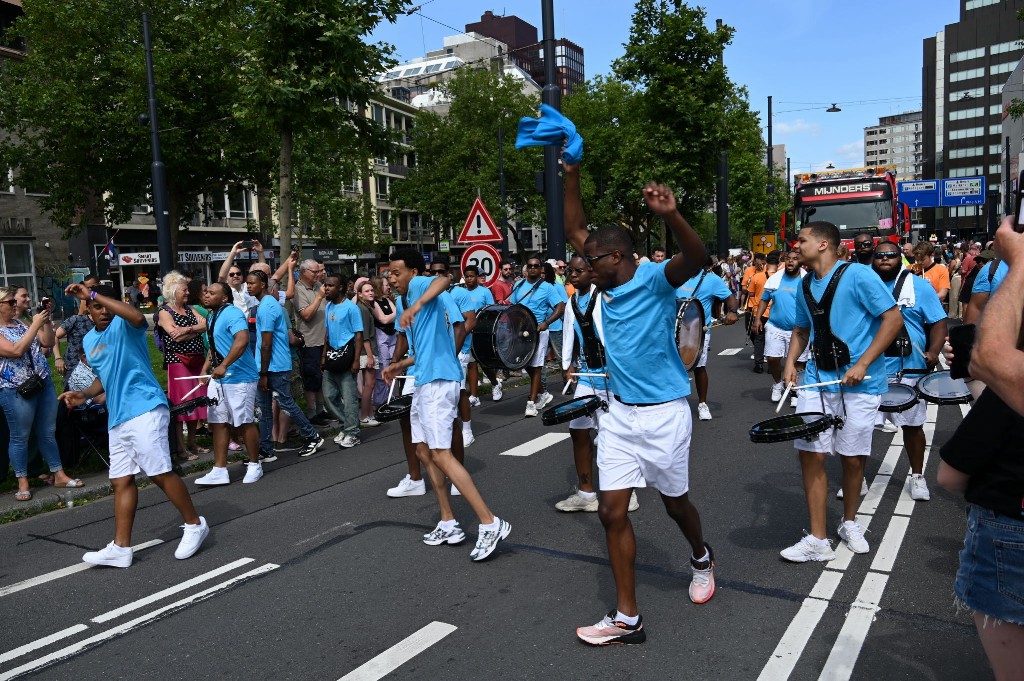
43 304
961 339
246 244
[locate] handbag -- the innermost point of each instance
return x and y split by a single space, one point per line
31 386
340 360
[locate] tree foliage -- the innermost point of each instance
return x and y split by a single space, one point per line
457 155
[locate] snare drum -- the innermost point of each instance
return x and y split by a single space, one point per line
690 332
804 425
941 388
505 337
391 411
898 398
573 409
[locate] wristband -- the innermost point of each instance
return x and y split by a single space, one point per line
92 295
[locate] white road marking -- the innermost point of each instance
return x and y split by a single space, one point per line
793 642
731 351
400 653
92 641
170 591
843 657
63 572
885 553
535 445
40 643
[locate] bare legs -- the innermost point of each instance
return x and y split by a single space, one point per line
126 500
812 465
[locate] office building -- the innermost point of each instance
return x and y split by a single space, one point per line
898 141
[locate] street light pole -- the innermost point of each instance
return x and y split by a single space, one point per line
552 96
770 222
501 191
160 212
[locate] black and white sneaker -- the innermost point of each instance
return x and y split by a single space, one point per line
311 446
488 540
268 457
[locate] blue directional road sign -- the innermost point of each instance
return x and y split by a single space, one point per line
963 191
919 193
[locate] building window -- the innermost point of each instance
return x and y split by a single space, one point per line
994 169
966 54
1004 68
957 76
995 129
1010 46
996 89
965 95
8 187
432 68
966 113
16 265
995 149
965 133
965 153
975 4
239 200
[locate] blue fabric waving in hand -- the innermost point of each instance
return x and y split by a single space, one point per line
551 128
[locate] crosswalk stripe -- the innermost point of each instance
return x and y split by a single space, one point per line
400 653
731 351
535 445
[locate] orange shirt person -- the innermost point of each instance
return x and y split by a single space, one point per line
937 275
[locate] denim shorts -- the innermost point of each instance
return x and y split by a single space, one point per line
991 575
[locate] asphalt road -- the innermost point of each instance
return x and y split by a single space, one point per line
313 573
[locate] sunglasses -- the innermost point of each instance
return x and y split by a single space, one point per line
12 301
862 244
234 274
577 270
532 265
887 255
591 259
437 272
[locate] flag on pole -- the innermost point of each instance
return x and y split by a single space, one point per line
110 250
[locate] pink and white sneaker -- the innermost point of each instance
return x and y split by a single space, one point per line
702 588
610 630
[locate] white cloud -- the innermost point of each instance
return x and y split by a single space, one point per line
796 127
851 153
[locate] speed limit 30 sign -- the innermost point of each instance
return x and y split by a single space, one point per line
486 259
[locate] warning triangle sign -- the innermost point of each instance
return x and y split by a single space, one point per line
479 226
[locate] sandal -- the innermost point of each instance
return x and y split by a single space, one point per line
74 482
187 456
202 450
23 495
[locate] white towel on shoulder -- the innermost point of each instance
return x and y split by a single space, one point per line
905 297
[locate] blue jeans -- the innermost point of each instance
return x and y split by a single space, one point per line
343 386
280 385
38 416
991 575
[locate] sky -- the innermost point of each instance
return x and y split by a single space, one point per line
805 54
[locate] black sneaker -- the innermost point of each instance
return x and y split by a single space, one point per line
311 447
758 368
267 458
610 630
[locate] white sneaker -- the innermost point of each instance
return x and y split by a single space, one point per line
777 390
110 555
339 437
487 540
350 441
468 438
531 408
216 476
496 393
544 399
192 539
752 357
454 492
439 536
253 472
852 533
408 488
474 401
919 488
886 427
634 503
863 489
703 413
577 502
809 549
369 422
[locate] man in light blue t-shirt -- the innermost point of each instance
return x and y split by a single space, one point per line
986 282
707 287
344 329
546 305
926 327
479 296
234 385
780 290
138 420
644 438
862 319
274 359
428 323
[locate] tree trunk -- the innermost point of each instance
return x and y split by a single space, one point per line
284 199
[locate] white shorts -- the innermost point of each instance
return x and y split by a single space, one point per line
776 343
591 420
702 361
140 445
409 385
542 350
916 415
641 446
464 359
854 438
434 406
236 403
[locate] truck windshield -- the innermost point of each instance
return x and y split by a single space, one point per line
850 217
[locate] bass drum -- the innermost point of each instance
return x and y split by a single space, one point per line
505 337
690 332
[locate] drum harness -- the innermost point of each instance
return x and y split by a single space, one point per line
902 346
693 296
826 345
593 348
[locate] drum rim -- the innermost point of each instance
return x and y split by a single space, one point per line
897 407
701 337
942 400
495 360
389 411
820 425
549 414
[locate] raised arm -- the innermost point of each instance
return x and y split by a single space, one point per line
692 255
223 274
129 313
575 219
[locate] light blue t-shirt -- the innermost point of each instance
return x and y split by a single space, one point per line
432 334
856 316
343 322
270 316
711 289
783 300
464 302
563 297
119 356
638 320
927 310
598 383
228 321
477 298
981 284
541 301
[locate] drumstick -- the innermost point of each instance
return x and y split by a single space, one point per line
592 375
818 385
185 396
782 401
566 388
189 378
391 391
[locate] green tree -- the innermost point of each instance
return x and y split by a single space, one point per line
70 121
307 73
457 155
